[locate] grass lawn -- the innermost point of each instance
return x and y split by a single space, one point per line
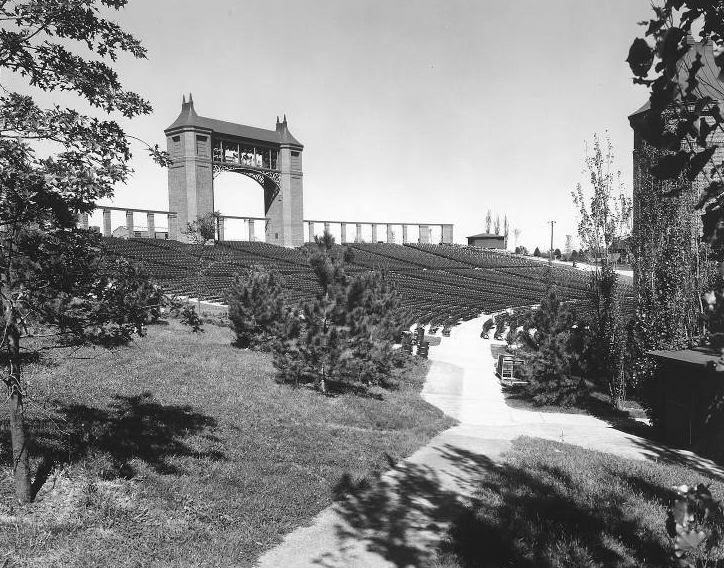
183 451
557 505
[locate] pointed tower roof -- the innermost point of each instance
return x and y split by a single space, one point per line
188 117
286 137
709 76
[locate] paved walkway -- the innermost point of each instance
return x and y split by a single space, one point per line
400 520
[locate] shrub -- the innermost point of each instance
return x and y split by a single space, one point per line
501 322
256 307
342 339
487 326
536 252
552 344
694 525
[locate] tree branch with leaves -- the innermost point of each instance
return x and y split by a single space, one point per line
56 283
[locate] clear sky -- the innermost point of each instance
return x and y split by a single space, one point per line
429 110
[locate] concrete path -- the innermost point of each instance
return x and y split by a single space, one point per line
401 520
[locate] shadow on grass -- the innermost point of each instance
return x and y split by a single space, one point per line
644 436
534 519
594 403
662 453
397 514
517 518
132 427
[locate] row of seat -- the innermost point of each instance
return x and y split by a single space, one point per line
437 283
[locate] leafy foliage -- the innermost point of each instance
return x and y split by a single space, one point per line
487 326
606 217
607 335
202 229
694 525
55 282
256 307
672 268
683 122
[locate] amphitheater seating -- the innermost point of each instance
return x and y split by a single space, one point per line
440 285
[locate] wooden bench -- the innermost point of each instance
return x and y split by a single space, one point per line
507 368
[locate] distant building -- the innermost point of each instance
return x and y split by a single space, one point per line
487 240
122 233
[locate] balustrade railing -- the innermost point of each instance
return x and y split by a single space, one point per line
424 231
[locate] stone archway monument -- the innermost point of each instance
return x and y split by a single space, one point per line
201 148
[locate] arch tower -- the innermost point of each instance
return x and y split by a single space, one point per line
201 148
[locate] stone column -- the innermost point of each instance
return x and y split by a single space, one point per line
358 233
129 224
311 231
374 232
447 234
106 222
220 228
424 234
150 226
173 226
251 229
84 221
343 232
326 227
390 236
404 234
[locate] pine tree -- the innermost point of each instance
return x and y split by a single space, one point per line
343 338
552 346
256 307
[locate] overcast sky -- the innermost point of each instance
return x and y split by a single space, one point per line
431 111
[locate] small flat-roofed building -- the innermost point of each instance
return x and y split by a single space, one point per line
487 240
689 388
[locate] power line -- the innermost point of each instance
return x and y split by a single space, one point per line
550 258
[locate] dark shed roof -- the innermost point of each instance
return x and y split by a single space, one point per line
486 236
696 357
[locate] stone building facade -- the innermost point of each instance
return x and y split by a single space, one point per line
671 263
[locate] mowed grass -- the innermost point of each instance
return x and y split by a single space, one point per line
182 450
557 505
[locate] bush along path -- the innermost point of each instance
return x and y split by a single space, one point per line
402 519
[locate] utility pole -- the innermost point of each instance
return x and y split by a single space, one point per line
550 258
